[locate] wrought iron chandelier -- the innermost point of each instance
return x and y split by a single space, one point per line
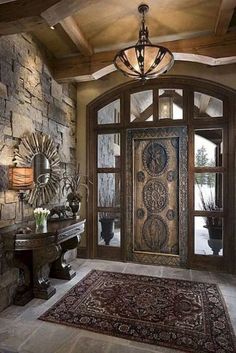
144 60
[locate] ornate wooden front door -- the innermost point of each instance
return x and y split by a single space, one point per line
157 212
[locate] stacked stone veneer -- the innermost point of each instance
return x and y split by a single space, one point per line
30 100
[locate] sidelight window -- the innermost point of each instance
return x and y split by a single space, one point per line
208 192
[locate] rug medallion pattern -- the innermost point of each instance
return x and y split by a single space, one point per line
185 315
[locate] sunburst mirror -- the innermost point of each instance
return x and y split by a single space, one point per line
39 151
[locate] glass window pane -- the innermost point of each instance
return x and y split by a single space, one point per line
109 228
208 148
141 106
108 189
109 151
208 235
206 106
110 114
208 191
170 104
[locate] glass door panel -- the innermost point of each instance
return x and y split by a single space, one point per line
108 151
208 190
110 114
208 235
206 106
208 148
208 186
108 189
141 106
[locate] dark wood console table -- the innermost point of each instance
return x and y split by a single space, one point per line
33 253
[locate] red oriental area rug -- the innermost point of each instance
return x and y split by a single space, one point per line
184 315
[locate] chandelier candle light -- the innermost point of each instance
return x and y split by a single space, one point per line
144 60
41 215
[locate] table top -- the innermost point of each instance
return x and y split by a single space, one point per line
54 225
57 232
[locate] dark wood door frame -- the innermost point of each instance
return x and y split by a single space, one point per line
189 85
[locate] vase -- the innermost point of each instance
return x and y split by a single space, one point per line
75 207
41 226
215 241
107 232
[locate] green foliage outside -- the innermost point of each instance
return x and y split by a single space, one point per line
202 160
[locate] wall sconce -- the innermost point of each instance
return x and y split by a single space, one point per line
21 179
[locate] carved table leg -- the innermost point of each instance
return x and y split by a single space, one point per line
60 269
24 291
42 287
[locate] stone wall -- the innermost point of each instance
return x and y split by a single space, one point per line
30 100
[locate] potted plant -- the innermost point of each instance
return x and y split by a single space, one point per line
72 185
107 219
107 225
213 223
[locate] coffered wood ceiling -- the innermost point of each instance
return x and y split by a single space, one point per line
87 33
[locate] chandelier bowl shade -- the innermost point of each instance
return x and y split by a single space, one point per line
144 60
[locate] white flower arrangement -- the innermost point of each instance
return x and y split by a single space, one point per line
40 215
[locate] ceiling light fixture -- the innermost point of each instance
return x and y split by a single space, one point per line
144 60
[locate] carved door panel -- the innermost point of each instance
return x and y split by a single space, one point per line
159 166
156 195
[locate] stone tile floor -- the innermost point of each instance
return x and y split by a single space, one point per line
21 332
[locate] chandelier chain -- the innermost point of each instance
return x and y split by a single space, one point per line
144 60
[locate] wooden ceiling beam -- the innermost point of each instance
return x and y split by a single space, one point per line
67 69
63 9
26 15
79 65
212 46
5 1
22 25
224 16
22 15
72 29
